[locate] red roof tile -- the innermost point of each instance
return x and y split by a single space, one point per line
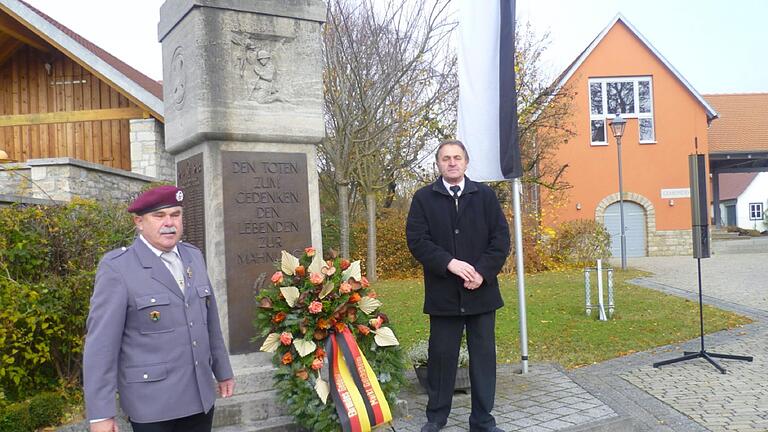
732 185
743 123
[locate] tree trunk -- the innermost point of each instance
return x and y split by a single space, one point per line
344 219
390 197
370 199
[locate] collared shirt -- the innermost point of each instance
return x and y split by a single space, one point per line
158 252
461 185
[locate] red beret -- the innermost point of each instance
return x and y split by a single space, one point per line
156 199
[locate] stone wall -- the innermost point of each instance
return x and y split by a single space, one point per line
62 179
15 179
148 155
670 243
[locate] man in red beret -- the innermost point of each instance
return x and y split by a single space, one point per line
153 331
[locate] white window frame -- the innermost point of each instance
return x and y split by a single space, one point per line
606 116
756 211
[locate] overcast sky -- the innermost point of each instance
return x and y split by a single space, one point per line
719 46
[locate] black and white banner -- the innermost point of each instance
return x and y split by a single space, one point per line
487 118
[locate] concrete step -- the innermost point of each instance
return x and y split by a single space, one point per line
274 424
244 409
254 379
724 235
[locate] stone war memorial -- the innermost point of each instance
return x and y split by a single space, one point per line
243 111
243 105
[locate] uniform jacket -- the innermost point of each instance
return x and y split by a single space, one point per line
477 234
156 347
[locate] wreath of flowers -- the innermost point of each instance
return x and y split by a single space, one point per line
309 298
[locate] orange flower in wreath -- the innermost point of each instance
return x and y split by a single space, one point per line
317 364
277 278
364 330
354 298
315 307
345 288
287 358
278 318
322 323
340 327
286 338
316 278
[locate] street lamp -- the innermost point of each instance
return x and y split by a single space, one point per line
617 127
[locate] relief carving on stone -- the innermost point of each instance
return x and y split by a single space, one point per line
255 64
178 78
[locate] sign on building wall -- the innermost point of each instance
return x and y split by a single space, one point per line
675 193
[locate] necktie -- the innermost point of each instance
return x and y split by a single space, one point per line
174 265
455 189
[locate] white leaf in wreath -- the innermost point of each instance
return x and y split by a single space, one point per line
327 289
289 263
271 343
385 337
291 294
353 271
368 304
322 388
317 264
304 347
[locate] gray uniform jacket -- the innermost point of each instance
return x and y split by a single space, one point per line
156 347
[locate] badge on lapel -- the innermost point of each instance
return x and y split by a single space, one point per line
189 272
154 316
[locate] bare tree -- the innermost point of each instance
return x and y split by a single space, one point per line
386 69
544 115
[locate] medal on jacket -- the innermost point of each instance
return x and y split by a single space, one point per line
189 272
154 316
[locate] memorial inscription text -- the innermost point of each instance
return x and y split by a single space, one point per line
266 210
189 177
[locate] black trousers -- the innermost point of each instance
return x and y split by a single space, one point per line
201 422
444 339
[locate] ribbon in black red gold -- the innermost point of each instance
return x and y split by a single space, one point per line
360 403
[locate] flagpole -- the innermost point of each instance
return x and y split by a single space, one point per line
520 269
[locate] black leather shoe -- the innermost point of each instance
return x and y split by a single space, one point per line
495 429
431 427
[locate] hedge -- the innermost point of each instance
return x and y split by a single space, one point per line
48 258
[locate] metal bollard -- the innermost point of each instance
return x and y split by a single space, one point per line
610 292
587 291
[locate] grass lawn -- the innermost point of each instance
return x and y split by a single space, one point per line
558 328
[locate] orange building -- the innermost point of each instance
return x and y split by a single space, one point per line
621 72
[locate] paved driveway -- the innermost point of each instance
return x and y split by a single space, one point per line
736 278
738 400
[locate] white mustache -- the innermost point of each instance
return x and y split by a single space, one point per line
168 230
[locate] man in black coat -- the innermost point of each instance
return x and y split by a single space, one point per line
457 231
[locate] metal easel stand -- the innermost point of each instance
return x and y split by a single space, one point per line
702 353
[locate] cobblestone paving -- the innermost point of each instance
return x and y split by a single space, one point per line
543 400
738 400
741 279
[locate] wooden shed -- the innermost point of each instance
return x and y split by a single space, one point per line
63 96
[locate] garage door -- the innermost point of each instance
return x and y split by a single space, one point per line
634 228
